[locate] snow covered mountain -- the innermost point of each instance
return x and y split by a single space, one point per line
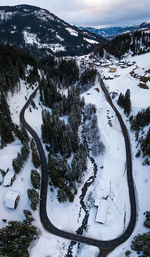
41 33
111 32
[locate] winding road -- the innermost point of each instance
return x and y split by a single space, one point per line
103 245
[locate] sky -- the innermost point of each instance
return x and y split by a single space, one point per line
95 13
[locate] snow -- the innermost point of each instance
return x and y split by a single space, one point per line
44 15
60 214
8 178
111 174
125 81
102 211
139 99
72 32
113 162
91 41
6 15
59 37
17 100
57 47
32 39
10 199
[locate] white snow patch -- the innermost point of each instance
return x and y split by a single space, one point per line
6 15
59 37
32 39
10 199
91 41
44 15
73 32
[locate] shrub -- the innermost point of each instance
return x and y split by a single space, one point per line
35 159
35 179
142 85
33 197
127 253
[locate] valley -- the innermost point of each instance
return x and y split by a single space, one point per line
74 140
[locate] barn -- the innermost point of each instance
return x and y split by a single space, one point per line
102 211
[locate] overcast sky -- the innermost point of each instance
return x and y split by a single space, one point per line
94 12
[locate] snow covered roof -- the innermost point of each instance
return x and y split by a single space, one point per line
10 199
113 67
102 210
8 178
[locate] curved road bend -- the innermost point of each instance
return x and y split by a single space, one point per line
107 244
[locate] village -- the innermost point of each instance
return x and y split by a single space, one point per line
93 62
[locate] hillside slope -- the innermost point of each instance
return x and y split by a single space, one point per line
42 33
131 43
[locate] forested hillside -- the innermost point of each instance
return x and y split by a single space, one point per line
132 43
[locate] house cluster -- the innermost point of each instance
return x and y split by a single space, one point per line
125 64
11 197
102 202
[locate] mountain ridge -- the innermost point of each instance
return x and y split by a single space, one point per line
111 32
42 33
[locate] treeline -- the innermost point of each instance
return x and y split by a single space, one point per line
138 123
141 120
125 102
87 79
137 43
65 72
14 65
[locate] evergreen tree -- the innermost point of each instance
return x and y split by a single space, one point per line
33 197
35 179
16 238
127 108
125 102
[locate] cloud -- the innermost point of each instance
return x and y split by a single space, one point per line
93 12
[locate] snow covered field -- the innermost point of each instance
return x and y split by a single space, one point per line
111 172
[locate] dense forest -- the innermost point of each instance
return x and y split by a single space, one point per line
60 134
135 43
17 236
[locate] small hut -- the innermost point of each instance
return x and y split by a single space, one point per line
113 68
11 199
